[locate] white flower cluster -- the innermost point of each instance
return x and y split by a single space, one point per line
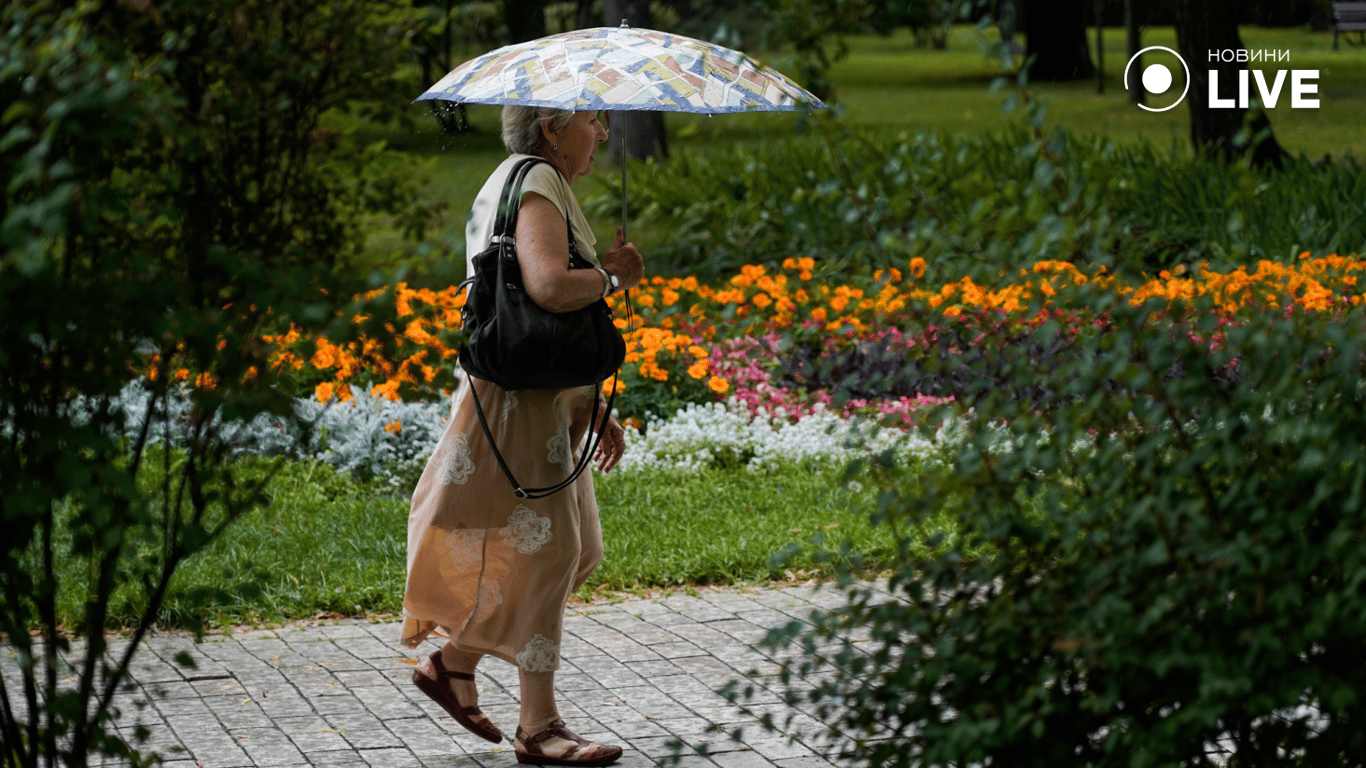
352 436
704 435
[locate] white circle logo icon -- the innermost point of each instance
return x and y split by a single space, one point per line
1157 78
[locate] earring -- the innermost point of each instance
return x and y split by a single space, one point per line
554 147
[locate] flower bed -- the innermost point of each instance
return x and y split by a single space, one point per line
808 340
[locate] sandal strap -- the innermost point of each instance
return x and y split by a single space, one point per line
556 728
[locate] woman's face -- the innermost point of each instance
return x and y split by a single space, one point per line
577 145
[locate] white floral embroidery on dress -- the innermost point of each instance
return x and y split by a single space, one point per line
558 447
525 531
540 655
509 403
459 466
467 547
490 593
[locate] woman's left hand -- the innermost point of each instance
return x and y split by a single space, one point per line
612 445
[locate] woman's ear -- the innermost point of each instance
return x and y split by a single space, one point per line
546 133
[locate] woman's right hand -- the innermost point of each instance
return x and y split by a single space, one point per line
625 262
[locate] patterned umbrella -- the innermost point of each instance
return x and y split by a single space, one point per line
621 68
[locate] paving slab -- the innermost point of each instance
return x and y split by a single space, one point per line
642 673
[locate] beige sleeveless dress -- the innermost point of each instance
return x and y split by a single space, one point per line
488 570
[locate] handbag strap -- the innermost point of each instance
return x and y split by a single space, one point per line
509 203
579 467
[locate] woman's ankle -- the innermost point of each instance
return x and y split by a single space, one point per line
537 726
456 660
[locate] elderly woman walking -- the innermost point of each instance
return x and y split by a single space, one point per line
489 571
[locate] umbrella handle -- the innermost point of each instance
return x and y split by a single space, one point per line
622 155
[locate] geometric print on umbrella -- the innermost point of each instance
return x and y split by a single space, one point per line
622 68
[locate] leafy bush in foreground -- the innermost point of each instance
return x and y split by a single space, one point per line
166 187
1178 567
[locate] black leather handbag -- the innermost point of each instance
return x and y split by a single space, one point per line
514 343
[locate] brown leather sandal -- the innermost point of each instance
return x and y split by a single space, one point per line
585 752
439 690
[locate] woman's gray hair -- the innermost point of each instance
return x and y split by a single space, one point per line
522 126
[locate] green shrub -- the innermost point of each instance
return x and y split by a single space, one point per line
984 203
167 187
1176 560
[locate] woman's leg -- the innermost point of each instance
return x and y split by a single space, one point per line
538 701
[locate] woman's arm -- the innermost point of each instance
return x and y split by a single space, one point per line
543 253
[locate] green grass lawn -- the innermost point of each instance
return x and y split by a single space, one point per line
328 544
889 84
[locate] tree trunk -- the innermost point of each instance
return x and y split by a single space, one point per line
1202 27
1100 46
1278 13
525 20
644 131
1131 27
1055 35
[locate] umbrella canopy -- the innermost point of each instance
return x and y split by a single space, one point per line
622 68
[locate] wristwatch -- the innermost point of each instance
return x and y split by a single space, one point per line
611 283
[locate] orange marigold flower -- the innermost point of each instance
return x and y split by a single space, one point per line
393 427
324 391
719 385
389 389
699 369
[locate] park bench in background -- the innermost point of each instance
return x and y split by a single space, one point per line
1349 17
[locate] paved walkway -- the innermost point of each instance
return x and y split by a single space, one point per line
641 673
